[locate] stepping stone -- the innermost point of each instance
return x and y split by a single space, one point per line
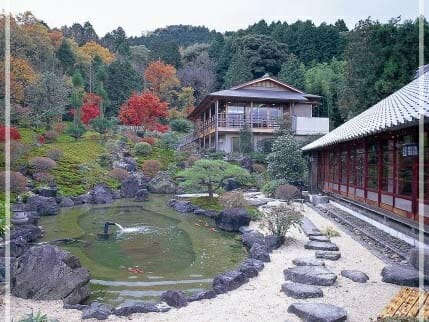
301 291
312 275
321 246
308 261
309 228
332 256
401 275
318 312
355 276
322 238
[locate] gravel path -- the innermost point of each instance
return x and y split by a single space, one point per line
261 299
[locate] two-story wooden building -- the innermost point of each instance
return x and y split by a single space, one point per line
260 104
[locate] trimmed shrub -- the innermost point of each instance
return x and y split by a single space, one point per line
18 182
233 200
143 148
104 160
14 133
44 178
269 189
286 192
59 127
258 168
151 167
149 139
55 154
181 125
41 164
191 160
51 136
119 174
280 219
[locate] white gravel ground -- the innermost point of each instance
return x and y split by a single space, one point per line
261 299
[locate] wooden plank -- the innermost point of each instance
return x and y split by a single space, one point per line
416 307
393 305
424 311
408 303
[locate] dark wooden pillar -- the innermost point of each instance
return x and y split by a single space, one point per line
379 169
365 170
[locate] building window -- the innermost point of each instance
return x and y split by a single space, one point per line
372 167
343 160
387 169
359 169
404 168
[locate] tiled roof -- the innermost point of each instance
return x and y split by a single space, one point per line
398 109
261 94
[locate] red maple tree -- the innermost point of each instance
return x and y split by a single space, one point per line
14 133
90 107
144 110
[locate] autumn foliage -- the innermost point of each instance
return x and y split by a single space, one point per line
144 110
14 134
90 107
160 75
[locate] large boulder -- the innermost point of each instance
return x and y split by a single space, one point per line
44 206
228 281
129 187
232 219
50 191
162 183
252 237
101 194
30 233
82 199
401 275
174 298
273 242
181 205
142 195
66 202
414 259
259 252
50 273
319 199
318 312
312 275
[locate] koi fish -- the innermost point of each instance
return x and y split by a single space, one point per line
198 225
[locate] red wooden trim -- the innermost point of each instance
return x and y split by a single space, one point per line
365 170
380 170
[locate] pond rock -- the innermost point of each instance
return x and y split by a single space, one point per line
259 252
49 273
48 191
30 233
355 276
312 275
82 199
232 219
99 311
228 281
142 195
174 298
18 246
130 307
251 267
203 295
162 183
273 242
333 256
252 237
318 312
101 194
44 206
301 291
321 245
129 187
66 202
181 205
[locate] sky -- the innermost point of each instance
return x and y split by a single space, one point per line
140 16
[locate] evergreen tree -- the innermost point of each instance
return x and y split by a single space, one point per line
66 56
292 72
239 70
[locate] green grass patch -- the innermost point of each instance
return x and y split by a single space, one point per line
207 203
164 156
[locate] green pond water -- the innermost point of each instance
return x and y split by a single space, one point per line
160 249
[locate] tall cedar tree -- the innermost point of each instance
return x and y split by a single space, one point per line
144 110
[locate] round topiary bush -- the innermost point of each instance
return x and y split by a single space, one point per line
51 136
18 182
119 174
142 148
151 167
41 164
44 177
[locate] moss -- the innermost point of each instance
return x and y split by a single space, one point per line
207 203
164 156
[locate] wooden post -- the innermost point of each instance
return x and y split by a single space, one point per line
365 170
217 125
380 170
395 179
